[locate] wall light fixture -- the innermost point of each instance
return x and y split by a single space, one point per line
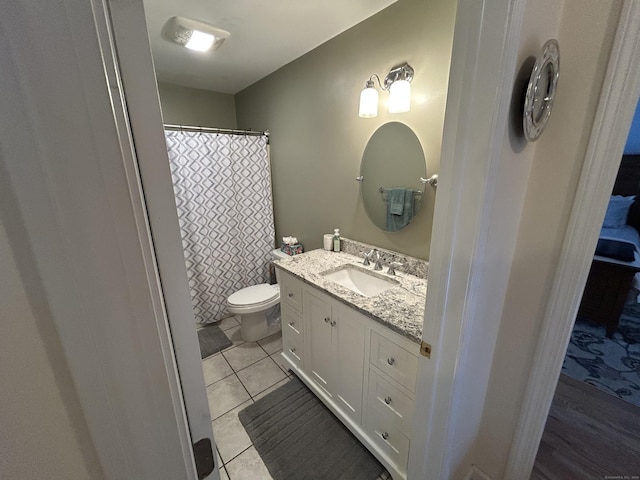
397 82
193 34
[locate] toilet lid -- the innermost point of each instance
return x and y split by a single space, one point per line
256 294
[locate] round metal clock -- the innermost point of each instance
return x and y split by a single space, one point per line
541 91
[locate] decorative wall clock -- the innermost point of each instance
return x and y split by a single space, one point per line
541 90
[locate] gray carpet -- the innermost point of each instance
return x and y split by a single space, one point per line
298 438
212 340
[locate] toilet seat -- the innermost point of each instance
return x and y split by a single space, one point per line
254 298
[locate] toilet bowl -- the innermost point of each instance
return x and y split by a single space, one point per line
252 304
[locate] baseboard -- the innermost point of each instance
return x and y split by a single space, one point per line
476 474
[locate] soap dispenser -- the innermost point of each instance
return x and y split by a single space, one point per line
336 240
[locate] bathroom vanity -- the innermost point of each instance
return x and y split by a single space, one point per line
357 352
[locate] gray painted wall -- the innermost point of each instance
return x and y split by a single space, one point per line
310 107
191 106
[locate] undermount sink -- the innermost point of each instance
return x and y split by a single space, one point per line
360 281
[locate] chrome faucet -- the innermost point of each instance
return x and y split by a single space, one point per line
367 257
392 268
378 264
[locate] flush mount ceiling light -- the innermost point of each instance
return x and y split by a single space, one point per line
397 82
194 35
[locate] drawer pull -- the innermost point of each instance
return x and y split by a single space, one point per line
385 436
387 400
333 323
391 360
291 324
292 349
326 319
290 294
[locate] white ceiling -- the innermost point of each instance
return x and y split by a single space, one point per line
265 35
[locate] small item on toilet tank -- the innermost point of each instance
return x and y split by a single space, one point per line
336 240
290 246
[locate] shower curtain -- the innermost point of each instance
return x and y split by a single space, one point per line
222 185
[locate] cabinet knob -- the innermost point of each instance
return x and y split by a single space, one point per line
333 323
292 349
290 294
291 324
326 319
385 435
387 400
391 360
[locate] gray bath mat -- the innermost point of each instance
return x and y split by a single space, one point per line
298 438
212 340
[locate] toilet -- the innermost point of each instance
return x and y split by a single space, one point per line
252 304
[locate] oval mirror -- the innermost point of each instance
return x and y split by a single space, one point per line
392 165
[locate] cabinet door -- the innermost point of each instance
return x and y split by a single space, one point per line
349 343
318 355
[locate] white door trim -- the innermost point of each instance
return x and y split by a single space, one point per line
145 116
69 163
471 247
616 106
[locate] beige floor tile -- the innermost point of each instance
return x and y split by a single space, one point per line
244 355
225 395
227 323
271 389
223 474
215 368
272 343
233 334
260 376
248 465
230 435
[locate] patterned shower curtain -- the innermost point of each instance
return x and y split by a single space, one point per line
223 193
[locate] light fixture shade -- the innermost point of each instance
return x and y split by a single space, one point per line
369 102
193 34
400 96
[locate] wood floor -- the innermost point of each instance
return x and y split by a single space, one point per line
589 435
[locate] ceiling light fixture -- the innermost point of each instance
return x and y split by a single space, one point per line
397 82
193 34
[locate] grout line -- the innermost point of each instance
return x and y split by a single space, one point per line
226 376
245 389
232 459
247 366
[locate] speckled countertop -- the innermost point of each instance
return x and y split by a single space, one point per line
399 308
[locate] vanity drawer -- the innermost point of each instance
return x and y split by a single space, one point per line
291 321
290 292
389 438
293 348
387 399
393 360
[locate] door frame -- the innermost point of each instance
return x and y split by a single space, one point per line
83 239
460 256
616 107
139 93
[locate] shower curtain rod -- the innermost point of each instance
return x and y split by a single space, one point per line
191 128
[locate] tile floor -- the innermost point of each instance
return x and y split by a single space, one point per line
235 378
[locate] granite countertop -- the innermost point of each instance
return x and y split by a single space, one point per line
400 308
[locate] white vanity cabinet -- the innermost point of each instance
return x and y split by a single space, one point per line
364 372
335 351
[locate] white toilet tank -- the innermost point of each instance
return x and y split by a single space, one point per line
277 255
